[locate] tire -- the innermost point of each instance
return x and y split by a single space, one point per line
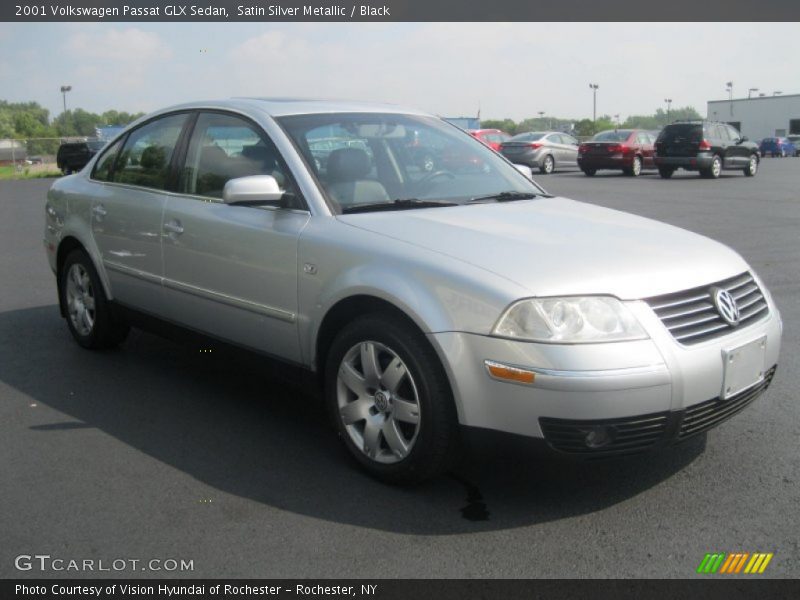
665 172
635 169
752 166
589 172
402 447
548 165
88 313
713 172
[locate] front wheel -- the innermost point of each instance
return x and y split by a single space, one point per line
548 166
752 166
635 169
390 400
89 315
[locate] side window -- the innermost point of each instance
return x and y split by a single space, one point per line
733 133
104 164
225 147
568 139
718 133
146 156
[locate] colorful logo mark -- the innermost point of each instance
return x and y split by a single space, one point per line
735 563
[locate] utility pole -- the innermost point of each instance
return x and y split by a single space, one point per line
750 92
668 102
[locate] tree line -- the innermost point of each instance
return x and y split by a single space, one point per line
587 127
22 120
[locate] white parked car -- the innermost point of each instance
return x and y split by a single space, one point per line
429 303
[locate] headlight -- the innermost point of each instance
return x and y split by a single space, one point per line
569 320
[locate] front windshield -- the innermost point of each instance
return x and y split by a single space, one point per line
619 135
393 160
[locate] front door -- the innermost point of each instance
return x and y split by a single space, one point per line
231 271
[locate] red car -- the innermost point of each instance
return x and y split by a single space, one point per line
629 150
491 137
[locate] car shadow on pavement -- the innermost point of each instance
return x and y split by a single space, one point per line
230 420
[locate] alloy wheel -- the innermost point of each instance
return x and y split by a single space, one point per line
378 402
80 299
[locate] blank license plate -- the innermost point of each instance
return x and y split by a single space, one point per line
744 367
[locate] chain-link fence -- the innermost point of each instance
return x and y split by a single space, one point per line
22 158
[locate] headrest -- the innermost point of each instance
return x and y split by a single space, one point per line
348 164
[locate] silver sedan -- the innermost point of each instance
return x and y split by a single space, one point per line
430 305
545 150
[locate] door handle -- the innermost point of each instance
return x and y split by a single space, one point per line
99 211
173 227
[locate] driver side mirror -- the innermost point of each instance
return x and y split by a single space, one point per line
744 138
255 190
525 170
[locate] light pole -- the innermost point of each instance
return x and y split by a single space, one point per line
616 118
750 92
594 87
64 90
729 87
668 102
778 93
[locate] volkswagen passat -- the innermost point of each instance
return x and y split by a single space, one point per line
429 303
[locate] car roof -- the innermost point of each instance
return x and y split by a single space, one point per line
280 107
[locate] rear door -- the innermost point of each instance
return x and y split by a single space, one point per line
231 271
133 176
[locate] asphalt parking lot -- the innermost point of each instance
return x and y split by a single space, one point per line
158 450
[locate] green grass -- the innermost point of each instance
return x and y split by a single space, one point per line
8 172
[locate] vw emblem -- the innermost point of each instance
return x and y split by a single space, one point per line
381 401
726 305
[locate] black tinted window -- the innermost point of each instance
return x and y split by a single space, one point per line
682 132
225 147
146 156
102 169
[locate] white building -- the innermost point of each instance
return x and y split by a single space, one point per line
757 118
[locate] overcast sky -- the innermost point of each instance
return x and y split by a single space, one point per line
508 69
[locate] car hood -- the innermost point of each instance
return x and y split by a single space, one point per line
556 246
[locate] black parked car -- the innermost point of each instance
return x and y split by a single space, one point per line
73 156
704 146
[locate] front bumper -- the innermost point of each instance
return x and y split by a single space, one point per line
617 385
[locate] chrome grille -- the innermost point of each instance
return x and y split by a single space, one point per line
691 316
702 417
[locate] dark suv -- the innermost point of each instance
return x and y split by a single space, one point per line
73 156
704 146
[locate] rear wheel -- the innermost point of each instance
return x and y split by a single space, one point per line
589 172
548 165
666 172
89 315
714 170
752 166
390 400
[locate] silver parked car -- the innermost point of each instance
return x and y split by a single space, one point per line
430 304
545 150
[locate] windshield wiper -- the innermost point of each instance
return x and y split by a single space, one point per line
507 197
399 204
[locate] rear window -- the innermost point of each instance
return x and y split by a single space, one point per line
527 137
683 132
612 136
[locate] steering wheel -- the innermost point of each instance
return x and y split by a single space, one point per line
422 183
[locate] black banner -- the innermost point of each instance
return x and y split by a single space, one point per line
446 589
397 10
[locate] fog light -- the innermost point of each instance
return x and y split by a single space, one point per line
599 436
